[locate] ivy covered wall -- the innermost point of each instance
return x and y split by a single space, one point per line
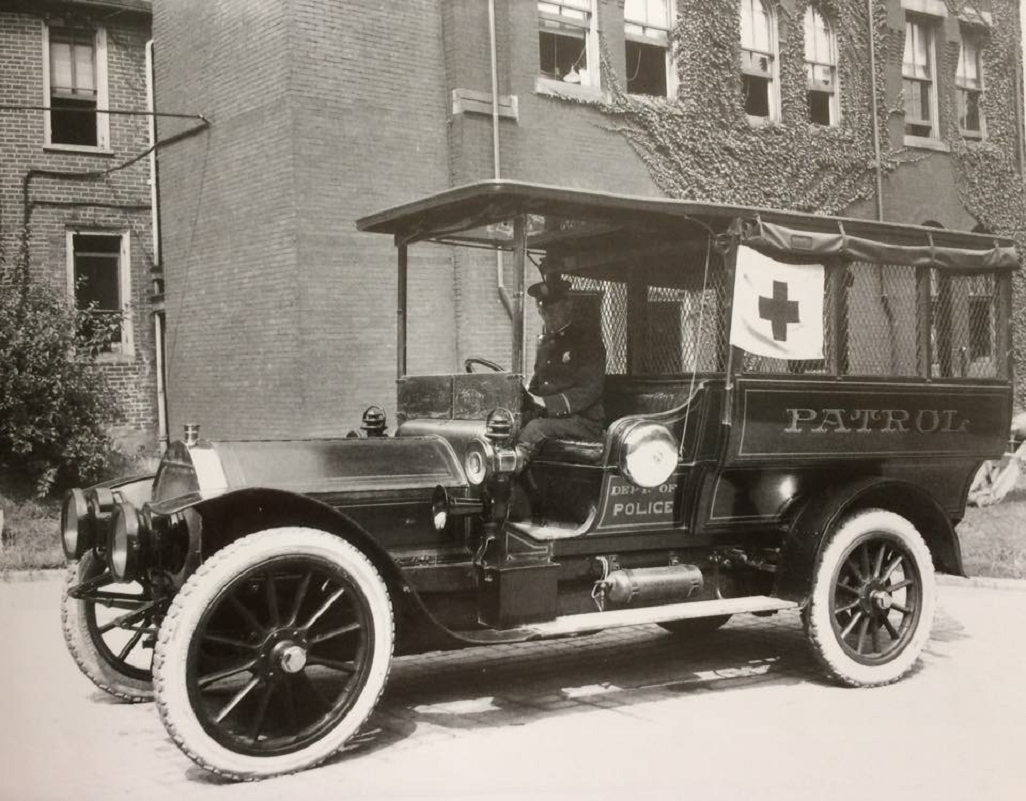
701 145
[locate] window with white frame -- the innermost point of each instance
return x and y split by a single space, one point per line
758 60
76 76
969 85
821 68
647 25
567 42
919 84
98 278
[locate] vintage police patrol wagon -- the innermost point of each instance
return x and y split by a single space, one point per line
796 406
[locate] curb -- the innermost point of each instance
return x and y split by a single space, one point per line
36 574
982 582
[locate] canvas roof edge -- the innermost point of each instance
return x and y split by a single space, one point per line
443 215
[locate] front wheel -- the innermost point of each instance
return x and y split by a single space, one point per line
274 653
110 629
873 600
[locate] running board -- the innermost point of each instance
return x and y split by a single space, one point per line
590 621
617 618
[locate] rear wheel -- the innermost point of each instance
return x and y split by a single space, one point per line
274 653
695 626
109 629
873 600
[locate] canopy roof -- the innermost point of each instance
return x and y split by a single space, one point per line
563 221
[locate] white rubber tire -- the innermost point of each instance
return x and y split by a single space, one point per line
75 623
186 612
817 616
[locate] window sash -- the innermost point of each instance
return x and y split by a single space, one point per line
756 23
820 43
969 74
72 62
757 63
918 94
917 61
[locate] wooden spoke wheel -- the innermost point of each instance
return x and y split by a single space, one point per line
110 629
873 599
274 653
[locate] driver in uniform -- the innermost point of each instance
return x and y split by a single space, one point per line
565 393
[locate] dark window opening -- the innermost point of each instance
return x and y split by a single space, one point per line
980 340
664 354
756 94
646 69
98 285
969 111
562 55
819 107
73 121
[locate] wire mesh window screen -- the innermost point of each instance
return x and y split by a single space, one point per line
681 330
602 305
685 329
880 304
962 332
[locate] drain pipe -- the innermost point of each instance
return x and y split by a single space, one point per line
500 281
158 324
876 123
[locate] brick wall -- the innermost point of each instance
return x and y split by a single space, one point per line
281 315
117 203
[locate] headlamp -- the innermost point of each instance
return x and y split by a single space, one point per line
648 454
125 542
479 461
76 525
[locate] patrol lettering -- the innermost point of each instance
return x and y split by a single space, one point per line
880 421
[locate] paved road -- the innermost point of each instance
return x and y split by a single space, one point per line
630 714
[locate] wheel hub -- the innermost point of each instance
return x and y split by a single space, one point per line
289 656
881 600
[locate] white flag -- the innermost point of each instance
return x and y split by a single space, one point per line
778 307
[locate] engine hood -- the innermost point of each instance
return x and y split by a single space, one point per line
207 469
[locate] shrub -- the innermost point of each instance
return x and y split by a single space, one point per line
54 400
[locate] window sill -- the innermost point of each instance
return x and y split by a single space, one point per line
86 149
761 122
927 143
973 137
125 357
573 91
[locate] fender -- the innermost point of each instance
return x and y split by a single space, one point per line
233 515
814 520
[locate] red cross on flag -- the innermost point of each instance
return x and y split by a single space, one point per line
778 307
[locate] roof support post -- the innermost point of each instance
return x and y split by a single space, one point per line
924 321
400 315
519 361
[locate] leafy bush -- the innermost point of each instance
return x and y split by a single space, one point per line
54 400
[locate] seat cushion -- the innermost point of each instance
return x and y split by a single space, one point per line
567 451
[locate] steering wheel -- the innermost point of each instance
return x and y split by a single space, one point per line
468 364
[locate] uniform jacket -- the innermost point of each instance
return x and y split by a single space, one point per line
569 371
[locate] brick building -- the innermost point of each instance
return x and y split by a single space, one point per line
281 316
66 206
